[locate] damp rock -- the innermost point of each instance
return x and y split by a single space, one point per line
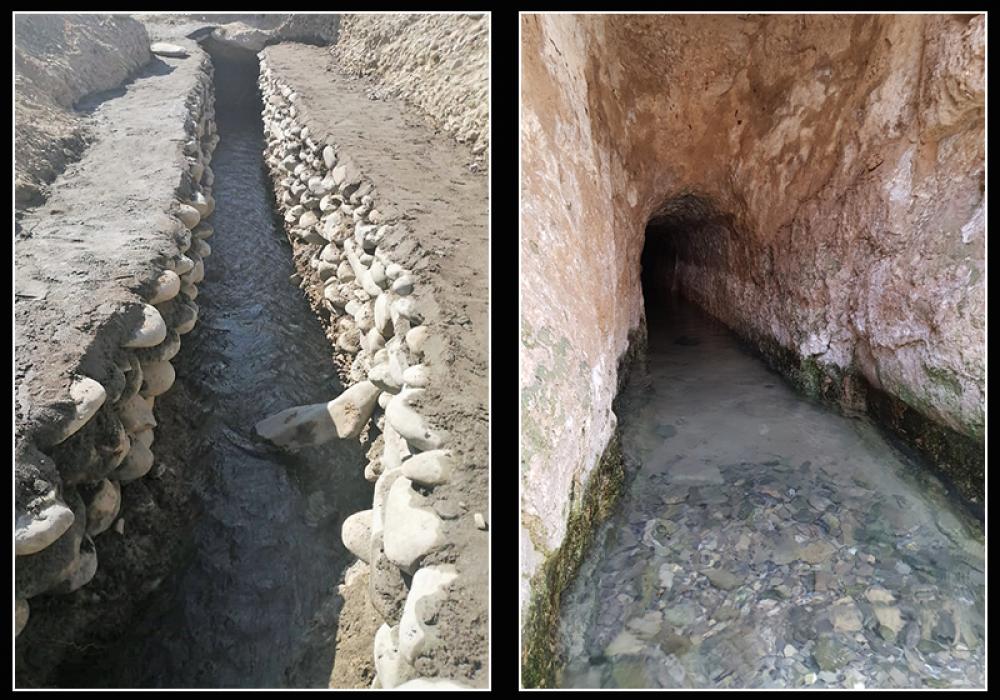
356 533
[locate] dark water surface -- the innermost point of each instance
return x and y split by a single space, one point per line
267 549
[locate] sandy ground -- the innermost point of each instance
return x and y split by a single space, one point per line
426 175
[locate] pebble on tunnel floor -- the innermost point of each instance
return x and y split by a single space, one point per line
766 542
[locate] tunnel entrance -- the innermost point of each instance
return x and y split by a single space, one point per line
659 280
265 550
686 228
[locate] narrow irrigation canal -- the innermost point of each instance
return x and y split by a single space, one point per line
267 552
766 541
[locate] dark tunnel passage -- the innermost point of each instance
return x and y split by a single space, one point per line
685 228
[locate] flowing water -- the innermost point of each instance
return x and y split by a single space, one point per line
765 541
267 550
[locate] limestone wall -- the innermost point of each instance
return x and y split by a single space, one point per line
824 178
438 62
345 241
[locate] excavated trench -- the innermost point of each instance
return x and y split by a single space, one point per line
265 551
763 538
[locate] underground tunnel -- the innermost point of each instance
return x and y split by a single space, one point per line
769 337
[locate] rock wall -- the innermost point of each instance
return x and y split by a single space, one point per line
438 62
350 246
96 331
58 60
822 179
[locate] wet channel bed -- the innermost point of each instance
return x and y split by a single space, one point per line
768 542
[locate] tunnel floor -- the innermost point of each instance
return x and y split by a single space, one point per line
768 542
266 553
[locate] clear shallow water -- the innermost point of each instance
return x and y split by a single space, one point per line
266 545
768 542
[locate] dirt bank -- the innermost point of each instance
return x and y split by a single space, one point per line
87 269
438 63
58 59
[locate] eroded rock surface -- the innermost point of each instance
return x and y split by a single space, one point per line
821 178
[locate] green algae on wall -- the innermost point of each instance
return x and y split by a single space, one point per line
540 653
958 459
540 634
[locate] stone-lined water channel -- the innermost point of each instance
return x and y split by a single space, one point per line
267 552
765 541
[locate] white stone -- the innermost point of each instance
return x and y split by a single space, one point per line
352 409
356 534
380 376
203 231
187 317
183 265
416 337
427 589
406 308
410 532
383 320
183 238
136 415
88 396
117 455
409 423
345 273
315 424
308 219
169 348
162 48
393 271
33 532
201 248
416 376
201 205
137 463
624 644
103 507
377 272
375 340
151 332
197 273
330 253
403 285
329 157
157 377
188 215
145 436
480 521
391 667
429 468
168 284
